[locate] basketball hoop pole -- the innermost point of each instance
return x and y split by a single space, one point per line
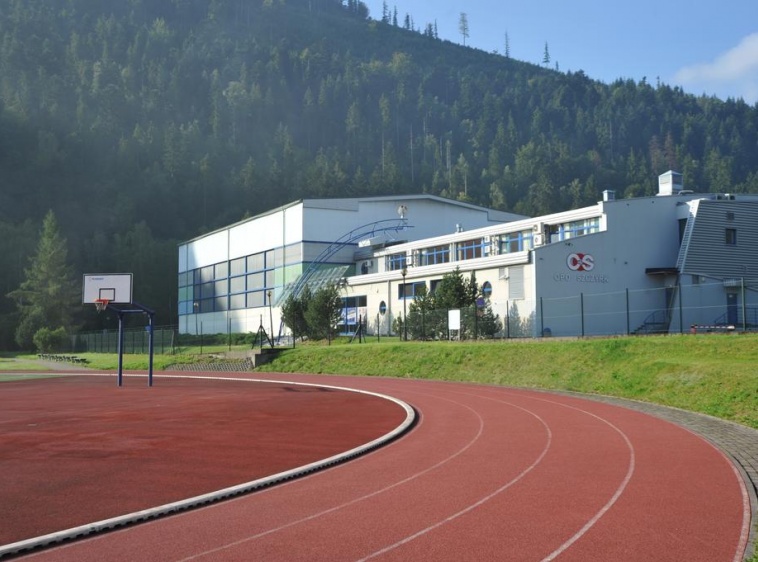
136 308
113 291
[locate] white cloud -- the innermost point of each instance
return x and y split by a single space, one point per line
732 74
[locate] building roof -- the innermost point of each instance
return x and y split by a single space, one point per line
352 203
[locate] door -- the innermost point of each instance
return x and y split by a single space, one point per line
732 316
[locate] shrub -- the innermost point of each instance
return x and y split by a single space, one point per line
49 341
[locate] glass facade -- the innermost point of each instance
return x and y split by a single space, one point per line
239 283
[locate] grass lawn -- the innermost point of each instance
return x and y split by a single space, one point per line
715 374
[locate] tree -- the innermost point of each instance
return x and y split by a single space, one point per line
463 26
324 312
48 296
546 55
507 50
293 312
454 291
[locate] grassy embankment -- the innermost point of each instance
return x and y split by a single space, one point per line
712 374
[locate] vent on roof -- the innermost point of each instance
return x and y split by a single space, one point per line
670 183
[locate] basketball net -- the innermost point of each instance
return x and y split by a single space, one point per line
101 304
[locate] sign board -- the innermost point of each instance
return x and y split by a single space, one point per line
454 319
116 287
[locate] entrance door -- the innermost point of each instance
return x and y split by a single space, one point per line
732 316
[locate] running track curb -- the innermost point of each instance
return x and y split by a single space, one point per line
28 545
738 442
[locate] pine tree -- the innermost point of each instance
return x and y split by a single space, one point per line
546 55
48 297
463 26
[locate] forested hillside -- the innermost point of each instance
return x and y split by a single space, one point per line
141 123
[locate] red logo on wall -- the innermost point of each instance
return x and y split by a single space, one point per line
580 262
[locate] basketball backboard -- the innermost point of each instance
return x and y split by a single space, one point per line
115 287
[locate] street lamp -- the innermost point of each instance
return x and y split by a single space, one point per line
196 308
404 272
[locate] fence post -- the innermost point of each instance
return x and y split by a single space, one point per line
681 306
627 312
581 310
507 321
542 318
744 308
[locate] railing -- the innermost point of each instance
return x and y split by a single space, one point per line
656 323
750 318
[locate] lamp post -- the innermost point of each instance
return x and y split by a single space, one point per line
404 272
196 308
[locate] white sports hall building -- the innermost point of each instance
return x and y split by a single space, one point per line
678 261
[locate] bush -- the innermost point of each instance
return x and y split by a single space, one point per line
50 341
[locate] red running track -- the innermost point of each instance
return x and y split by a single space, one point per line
489 473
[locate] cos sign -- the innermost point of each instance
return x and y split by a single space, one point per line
580 262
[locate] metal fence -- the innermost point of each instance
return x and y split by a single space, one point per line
701 307
705 306
166 341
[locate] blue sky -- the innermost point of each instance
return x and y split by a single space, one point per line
706 48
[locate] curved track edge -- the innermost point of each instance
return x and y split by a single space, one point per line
52 539
738 443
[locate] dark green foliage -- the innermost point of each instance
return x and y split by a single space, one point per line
51 341
48 296
454 291
183 116
314 315
323 313
293 312
428 314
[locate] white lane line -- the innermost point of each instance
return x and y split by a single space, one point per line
355 500
619 491
483 500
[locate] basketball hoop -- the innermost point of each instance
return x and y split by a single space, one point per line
101 304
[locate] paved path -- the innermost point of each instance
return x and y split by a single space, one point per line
490 473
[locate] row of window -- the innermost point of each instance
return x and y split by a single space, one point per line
507 243
412 290
232 285
240 267
223 302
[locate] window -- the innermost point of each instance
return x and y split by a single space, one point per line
433 284
222 270
237 285
396 262
471 249
206 291
206 274
435 255
238 266
256 262
409 290
256 299
487 289
731 237
237 302
579 228
516 242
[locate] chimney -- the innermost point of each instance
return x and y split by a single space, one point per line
670 183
